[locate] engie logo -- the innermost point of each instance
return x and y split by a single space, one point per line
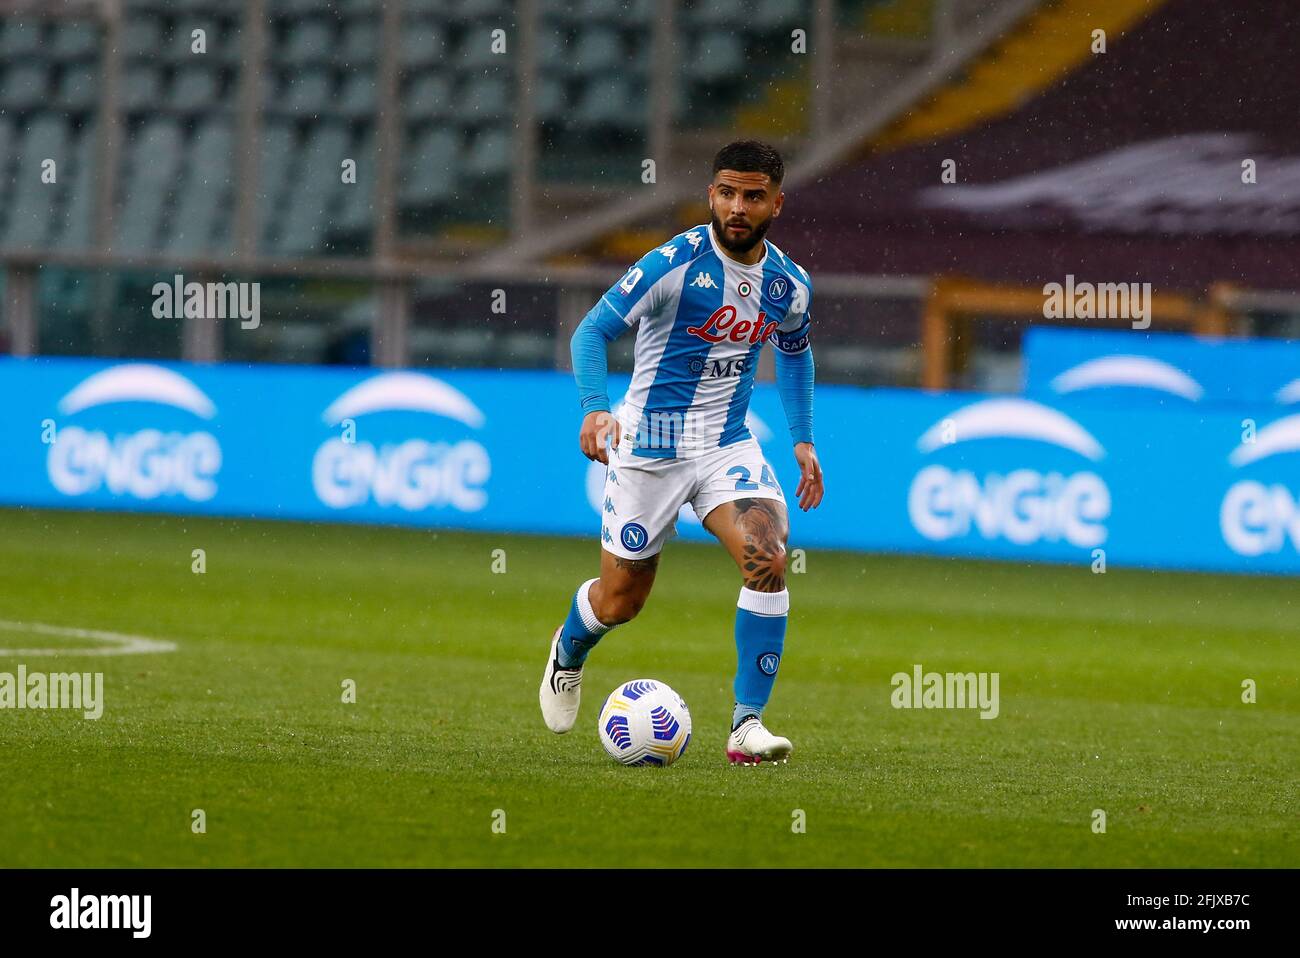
1022 505
1257 517
145 463
1132 372
412 473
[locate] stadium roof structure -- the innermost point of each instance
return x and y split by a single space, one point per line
1133 167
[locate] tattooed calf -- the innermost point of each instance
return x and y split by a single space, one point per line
764 525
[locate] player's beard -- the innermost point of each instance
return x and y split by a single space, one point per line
755 235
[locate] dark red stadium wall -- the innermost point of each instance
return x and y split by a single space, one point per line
1193 68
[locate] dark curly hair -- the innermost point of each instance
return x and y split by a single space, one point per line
750 156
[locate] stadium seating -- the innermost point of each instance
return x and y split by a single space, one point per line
205 190
320 91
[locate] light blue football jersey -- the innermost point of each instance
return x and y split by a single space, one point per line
703 321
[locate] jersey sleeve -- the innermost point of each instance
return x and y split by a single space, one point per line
792 334
643 288
637 295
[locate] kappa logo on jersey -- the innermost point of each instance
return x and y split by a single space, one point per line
694 238
704 281
634 537
631 279
777 288
722 324
668 251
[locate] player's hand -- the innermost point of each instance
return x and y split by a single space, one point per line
596 426
811 488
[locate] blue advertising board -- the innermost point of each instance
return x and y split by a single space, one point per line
1173 370
943 473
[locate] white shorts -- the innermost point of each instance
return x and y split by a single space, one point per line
643 495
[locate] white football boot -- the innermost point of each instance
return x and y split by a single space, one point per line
751 743
561 690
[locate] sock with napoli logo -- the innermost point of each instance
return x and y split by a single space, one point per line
760 640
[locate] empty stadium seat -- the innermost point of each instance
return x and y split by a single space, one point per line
21 39
142 38
308 93
610 102
429 169
636 12
771 15
357 101
75 41
356 212
551 100
35 204
220 40
485 100
717 56
429 97
475 53
553 50
314 189
194 88
423 44
24 87
79 88
205 191
598 51
7 145
360 46
489 156
78 216
141 89
370 8
290 8
153 164
471 10
310 42
714 14
277 161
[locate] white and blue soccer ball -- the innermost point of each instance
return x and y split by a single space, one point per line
644 722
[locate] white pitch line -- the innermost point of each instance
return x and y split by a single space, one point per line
121 644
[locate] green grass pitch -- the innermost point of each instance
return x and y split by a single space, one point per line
1119 692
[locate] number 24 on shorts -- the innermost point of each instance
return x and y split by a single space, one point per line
742 482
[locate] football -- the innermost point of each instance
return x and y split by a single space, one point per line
644 722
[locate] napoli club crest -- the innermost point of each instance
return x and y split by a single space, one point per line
767 663
777 288
634 537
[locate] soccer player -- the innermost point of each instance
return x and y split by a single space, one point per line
707 301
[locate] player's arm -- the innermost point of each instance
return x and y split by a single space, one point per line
589 349
794 381
635 296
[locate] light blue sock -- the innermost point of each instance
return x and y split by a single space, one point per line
582 630
760 640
